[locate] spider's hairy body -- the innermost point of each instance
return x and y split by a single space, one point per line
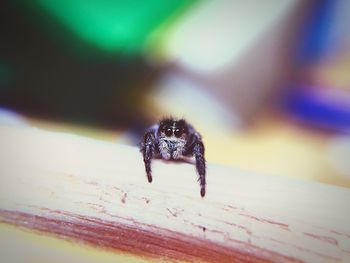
172 139
171 148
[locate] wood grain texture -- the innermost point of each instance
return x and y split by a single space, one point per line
97 192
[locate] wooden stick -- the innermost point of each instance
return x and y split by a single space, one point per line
97 192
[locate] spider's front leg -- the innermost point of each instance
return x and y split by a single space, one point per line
198 152
148 148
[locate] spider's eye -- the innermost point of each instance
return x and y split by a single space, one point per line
178 133
168 132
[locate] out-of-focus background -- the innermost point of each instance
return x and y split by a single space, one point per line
267 83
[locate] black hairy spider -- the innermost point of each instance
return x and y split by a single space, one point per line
173 139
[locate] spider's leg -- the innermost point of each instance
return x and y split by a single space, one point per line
198 152
148 149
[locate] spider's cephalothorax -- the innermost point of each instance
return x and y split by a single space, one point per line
172 139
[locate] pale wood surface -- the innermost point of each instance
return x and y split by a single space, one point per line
97 192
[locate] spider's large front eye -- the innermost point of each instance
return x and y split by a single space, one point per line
177 133
168 132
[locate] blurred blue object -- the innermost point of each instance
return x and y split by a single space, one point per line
317 38
312 100
11 118
327 109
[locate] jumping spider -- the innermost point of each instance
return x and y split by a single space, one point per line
173 139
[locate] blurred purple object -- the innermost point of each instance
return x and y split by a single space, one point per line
11 118
324 108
